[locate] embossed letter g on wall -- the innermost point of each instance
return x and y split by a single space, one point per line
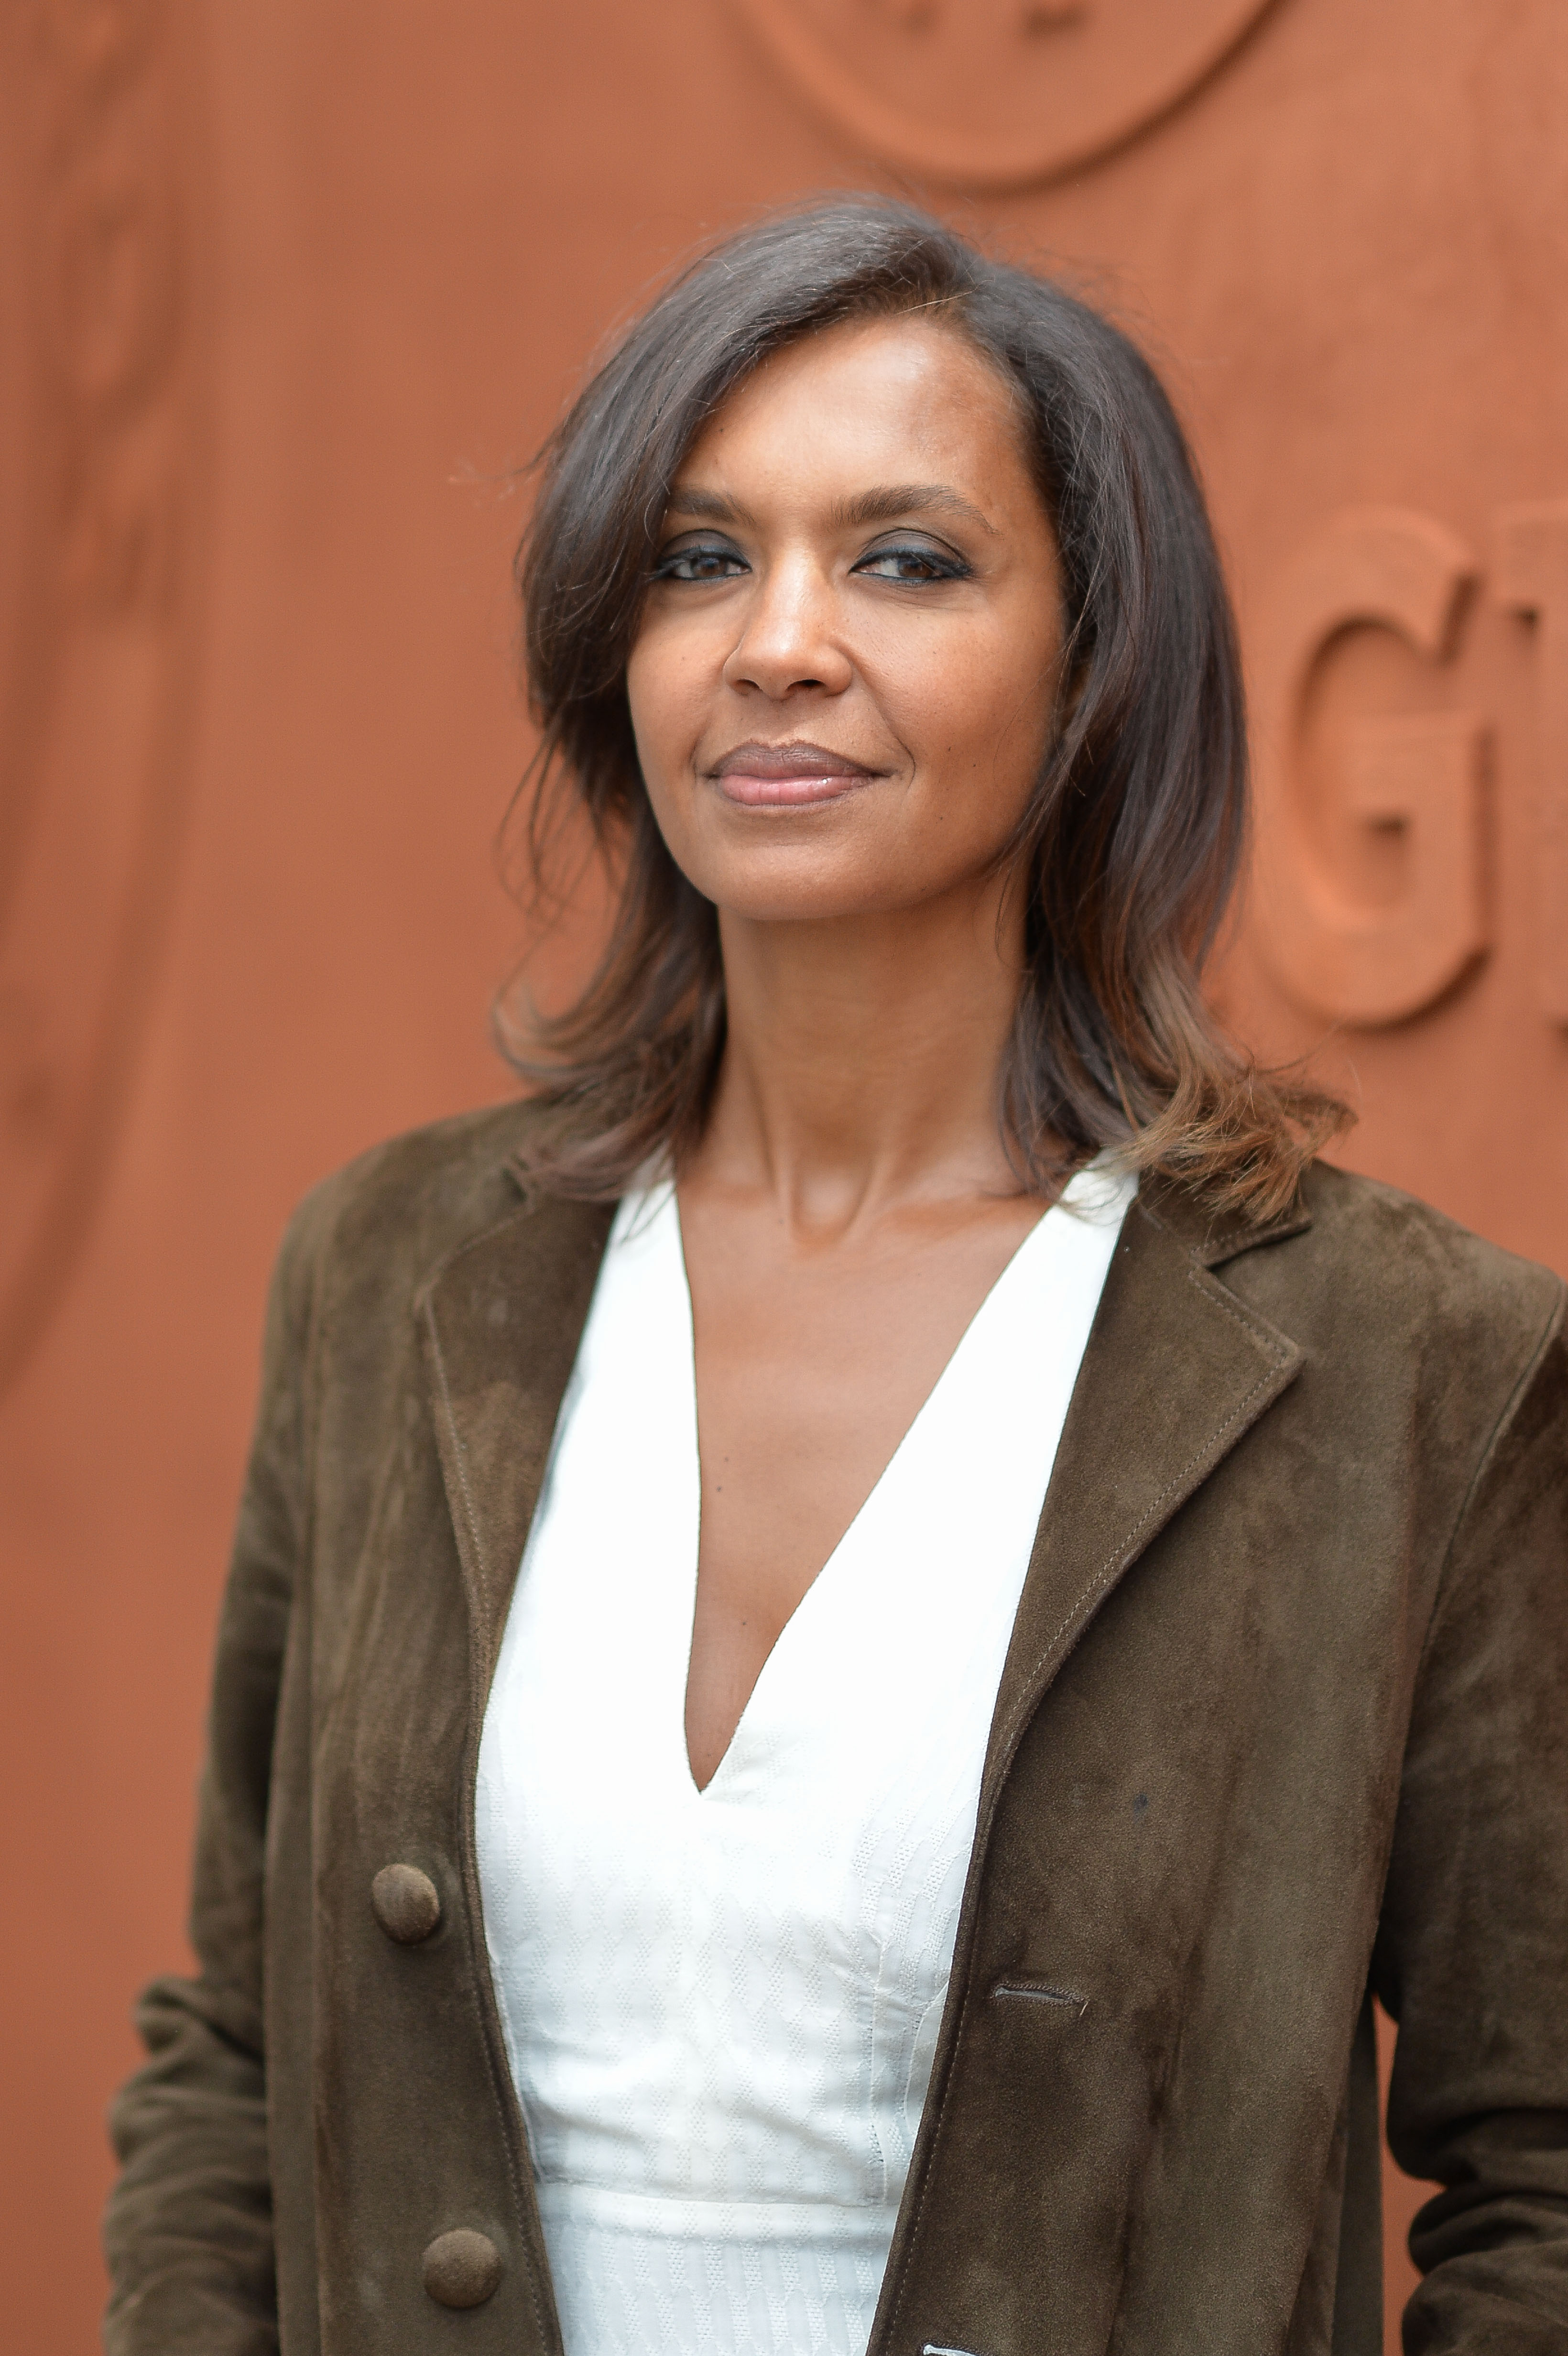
1419 775
1415 779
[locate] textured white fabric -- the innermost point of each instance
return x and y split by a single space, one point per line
720 2007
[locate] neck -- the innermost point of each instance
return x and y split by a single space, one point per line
862 1058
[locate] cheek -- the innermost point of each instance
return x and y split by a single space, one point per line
666 700
665 692
981 710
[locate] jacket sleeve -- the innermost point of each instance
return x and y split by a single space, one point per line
1472 1955
189 2230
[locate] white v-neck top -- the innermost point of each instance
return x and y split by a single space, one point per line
722 2007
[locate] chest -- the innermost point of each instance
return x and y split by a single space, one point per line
811 1361
810 1365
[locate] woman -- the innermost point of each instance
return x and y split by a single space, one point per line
859 1635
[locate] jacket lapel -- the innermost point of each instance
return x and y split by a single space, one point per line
502 1319
1177 1370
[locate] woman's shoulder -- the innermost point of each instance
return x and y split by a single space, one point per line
1380 1236
1364 1266
398 1211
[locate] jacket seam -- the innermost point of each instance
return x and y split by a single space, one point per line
449 1259
499 2092
468 1512
1505 1416
1256 1329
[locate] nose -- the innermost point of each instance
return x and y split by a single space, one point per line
790 639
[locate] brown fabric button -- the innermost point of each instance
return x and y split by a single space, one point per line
406 1903
462 2268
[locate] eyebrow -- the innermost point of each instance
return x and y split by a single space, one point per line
887 504
896 500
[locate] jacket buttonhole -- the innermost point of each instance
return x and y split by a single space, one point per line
1036 1991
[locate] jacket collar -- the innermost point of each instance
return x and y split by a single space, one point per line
1177 1370
1215 1236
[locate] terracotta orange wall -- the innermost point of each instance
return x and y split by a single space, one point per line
288 293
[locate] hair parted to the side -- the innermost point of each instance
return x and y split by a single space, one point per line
1129 847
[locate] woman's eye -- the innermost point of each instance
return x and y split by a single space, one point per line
912 564
700 565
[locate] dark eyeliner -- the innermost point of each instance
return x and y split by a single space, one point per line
663 566
945 562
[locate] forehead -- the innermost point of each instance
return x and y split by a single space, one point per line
865 396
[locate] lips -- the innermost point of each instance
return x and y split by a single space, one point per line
764 777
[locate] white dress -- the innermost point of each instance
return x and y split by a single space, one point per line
720 2007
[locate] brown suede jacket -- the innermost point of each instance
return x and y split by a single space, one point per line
1284 1724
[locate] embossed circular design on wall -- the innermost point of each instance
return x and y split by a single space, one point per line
103 458
993 94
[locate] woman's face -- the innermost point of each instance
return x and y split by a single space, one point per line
843 680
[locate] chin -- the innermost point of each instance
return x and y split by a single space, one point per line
789 878
772 898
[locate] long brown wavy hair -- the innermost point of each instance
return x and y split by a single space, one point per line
1128 850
